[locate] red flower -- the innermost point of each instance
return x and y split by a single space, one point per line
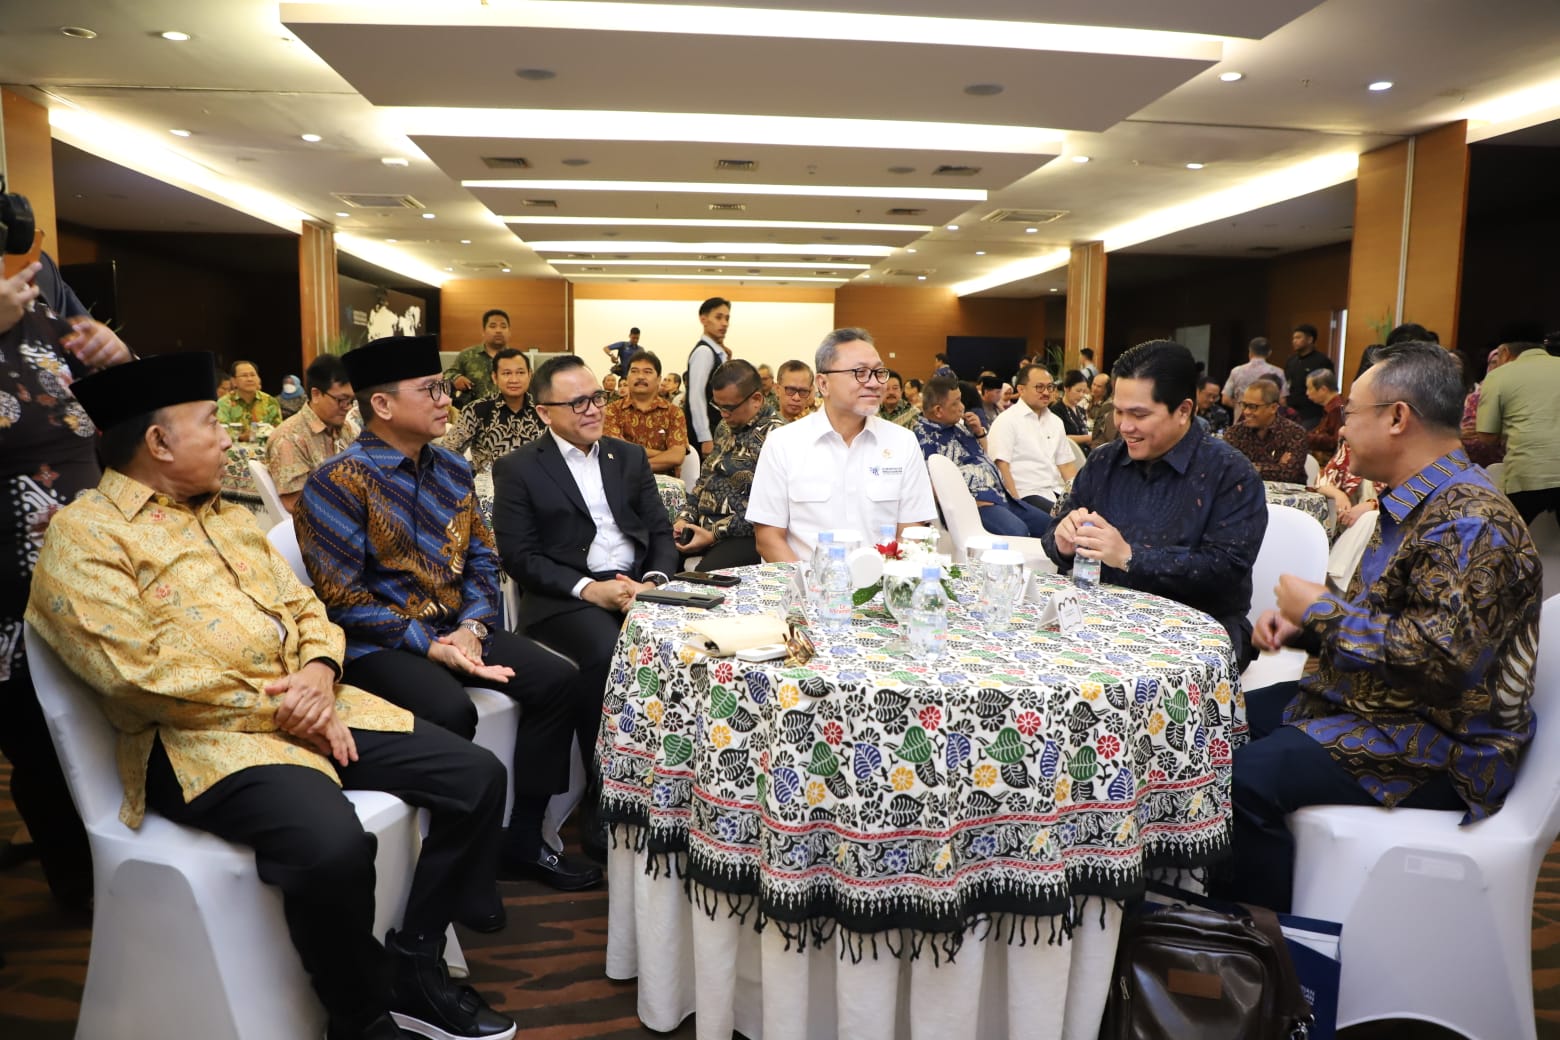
1109 746
1193 694
1028 723
723 672
1157 776
646 655
833 732
931 716
889 550
1219 750
763 761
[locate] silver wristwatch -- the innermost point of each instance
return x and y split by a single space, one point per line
476 628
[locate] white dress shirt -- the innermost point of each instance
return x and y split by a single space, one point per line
808 480
1034 445
611 552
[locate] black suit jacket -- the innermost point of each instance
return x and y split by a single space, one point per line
544 531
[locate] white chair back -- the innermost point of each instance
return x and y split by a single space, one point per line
268 493
1344 559
284 536
1079 455
82 734
1313 469
1532 809
1294 544
960 512
1496 470
690 468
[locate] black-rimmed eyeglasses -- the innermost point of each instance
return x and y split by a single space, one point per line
861 374
435 390
581 404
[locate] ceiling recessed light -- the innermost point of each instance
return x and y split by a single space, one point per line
1055 290
395 160
910 250
465 241
1080 158
536 75
1381 84
984 89
1194 166
1030 230
429 216
343 214
1231 77
953 227
980 252
77 32
392 240
311 138
174 35
179 133
920 277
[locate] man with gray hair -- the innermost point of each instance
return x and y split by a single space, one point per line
1274 444
1421 695
1256 366
842 466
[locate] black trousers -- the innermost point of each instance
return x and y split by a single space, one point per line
587 636
731 552
1283 769
1534 504
543 683
309 843
39 790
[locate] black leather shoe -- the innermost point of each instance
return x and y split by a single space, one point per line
381 1028
488 917
552 869
425 1002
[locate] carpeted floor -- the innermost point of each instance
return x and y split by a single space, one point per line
544 969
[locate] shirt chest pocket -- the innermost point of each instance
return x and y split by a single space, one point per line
810 488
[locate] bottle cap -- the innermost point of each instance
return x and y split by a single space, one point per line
931 573
836 552
825 537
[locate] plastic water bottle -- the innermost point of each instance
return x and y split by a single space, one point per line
1001 583
820 557
886 533
1085 572
929 615
835 597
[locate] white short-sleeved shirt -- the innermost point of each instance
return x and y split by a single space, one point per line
808 480
1034 445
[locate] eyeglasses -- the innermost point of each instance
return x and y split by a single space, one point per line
727 409
435 390
582 404
1044 388
1352 411
861 374
344 400
797 391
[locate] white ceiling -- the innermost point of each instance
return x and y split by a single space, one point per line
1142 107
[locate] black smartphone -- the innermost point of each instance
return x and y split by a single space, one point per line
724 581
702 600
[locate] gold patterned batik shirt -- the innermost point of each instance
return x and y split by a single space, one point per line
179 615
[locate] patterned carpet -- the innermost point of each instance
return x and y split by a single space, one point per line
544 969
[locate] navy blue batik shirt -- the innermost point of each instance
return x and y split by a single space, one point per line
1194 518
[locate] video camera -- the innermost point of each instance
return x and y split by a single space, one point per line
16 222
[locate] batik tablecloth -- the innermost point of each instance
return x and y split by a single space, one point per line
876 791
238 485
1295 496
673 493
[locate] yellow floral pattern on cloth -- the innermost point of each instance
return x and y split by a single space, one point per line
179 615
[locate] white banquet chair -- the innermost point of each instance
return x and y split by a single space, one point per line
1347 551
962 516
690 469
1313 470
1293 544
272 499
1437 917
186 939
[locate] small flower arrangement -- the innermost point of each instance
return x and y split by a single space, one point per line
920 552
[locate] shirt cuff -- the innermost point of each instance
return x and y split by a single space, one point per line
579 587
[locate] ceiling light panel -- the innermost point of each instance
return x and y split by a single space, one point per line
721 248
807 265
850 191
694 276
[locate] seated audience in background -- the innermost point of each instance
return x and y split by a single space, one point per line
1421 695
842 466
582 529
1030 445
400 554
320 429
1173 511
715 517
942 367
1485 451
495 426
913 391
1243 375
643 417
671 388
291 398
1072 408
896 407
1321 386
1102 411
766 376
1275 445
991 402
1088 368
472 372
248 405
1517 405
946 429
797 391
1214 415
1302 362
221 675
610 386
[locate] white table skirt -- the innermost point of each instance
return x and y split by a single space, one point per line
734 978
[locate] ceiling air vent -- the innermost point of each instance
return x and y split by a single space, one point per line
505 162
370 201
539 203
905 211
1024 216
728 207
485 265
907 272
955 171
736 165
593 270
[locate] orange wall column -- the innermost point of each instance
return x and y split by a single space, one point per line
1410 210
1085 304
29 165
319 290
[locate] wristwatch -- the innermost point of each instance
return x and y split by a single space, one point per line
656 578
1126 565
476 628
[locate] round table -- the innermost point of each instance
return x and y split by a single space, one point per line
1296 496
870 796
238 484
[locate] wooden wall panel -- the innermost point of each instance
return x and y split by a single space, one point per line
538 311
1085 302
1435 231
1373 258
319 290
1306 288
29 161
914 323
